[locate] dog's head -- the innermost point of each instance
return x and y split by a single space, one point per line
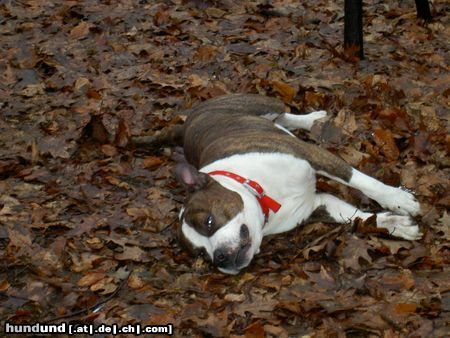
218 220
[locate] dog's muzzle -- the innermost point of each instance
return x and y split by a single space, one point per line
234 258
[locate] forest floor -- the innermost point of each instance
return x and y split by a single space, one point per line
88 224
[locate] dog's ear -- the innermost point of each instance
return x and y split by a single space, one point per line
190 177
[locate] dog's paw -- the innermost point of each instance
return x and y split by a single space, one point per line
315 115
399 226
400 201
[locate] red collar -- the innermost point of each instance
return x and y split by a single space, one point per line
255 189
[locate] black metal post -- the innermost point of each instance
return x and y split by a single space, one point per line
353 28
423 10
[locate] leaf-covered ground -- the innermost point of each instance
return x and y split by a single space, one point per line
88 224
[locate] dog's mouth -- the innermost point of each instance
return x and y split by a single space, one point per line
240 259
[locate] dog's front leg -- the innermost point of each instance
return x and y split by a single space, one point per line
291 121
332 208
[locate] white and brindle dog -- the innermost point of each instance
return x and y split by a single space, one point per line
249 176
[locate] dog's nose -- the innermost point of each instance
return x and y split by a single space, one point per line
222 258
225 258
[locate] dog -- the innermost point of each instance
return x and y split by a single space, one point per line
248 176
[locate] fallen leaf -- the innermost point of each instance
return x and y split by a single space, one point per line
81 30
205 53
352 251
403 308
33 90
135 282
286 91
254 330
276 331
151 162
197 81
385 140
232 297
81 82
132 253
214 12
91 278
108 150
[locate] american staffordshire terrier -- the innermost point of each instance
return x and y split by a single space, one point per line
249 176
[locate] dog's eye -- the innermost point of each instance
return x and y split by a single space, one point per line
209 222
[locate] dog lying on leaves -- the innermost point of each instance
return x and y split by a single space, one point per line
249 176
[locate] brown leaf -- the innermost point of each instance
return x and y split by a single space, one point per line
123 134
398 281
135 282
276 331
254 330
314 99
85 262
86 225
91 278
215 13
214 325
258 305
241 48
323 278
286 91
4 285
151 162
197 81
137 213
109 150
133 253
270 282
345 120
394 246
81 30
352 156
19 236
385 140
81 82
321 242
93 94
443 226
161 18
421 144
144 312
418 252
206 53
352 250
33 90
403 308
233 297
104 286
396 116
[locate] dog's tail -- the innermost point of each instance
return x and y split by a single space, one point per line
240 104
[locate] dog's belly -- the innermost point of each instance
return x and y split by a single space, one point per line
289 180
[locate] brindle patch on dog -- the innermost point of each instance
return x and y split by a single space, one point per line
223 205
212 136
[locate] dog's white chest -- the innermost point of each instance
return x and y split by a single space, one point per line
285 178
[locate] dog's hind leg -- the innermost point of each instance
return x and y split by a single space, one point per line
329 208
396 199
291 121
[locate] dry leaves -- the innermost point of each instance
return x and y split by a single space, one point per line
86 219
